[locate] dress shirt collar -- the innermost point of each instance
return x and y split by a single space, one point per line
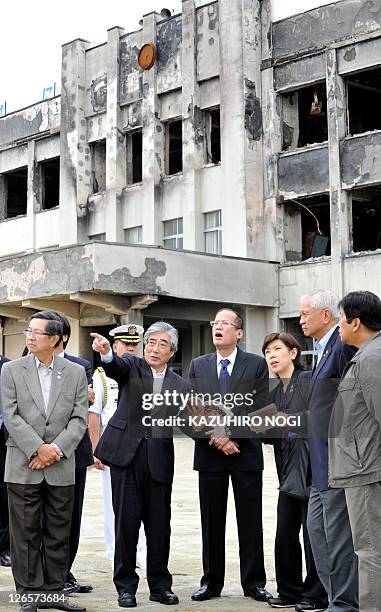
159 374
38 362
231 357
321 344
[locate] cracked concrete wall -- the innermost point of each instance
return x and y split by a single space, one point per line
96 80
365 54
292 75
169 40
305 172
129 271
131 75
30 121
360 160
319 27
208 41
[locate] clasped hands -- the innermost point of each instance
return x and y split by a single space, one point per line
46 455
218 436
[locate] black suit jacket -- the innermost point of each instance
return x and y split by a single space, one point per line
3 360
296 405
84 452
249 376
125 430
324 382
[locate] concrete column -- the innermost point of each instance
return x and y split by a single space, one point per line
196 339
193 154
153 144
272 145
241 125
115 142
258 322
75 162
133 316
31 203
336 102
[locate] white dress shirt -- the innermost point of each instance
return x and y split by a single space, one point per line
322 343
231 357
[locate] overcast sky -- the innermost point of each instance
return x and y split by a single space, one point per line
31 35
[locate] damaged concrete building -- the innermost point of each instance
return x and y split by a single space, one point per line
211 157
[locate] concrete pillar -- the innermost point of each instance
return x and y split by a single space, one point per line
31 203
153 144
196 339
115 142
132 317
258 322
241 125
336 101
75 162
193 154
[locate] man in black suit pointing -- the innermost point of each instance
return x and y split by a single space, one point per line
231 371
141 460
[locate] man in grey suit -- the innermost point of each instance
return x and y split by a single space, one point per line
45 408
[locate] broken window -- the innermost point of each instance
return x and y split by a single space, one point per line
292 326
307 228
173 233
14 193
213 232
174 146
134 157
213 136
366 219
134 235
50 183
98 166
304 117
364 101
98 237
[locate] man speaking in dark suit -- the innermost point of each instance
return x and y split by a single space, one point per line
231 371
327 520
141 460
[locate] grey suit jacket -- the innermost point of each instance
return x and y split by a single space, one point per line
29 426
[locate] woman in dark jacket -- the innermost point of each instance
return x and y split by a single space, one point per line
282 353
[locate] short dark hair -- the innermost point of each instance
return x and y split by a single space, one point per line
238 319
54 325
363 305
66 327
289 340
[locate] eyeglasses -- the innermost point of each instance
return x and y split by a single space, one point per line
222 323
34 332
162 344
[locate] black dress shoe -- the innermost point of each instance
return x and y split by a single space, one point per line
205 592
5 558
258 593
280 602
64 605
73 586
28 607
127 600
164 596
309 606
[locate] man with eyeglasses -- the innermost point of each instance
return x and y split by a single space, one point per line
44 400
141 460
127 339
244 376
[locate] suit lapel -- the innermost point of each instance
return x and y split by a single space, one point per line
58 380
211 374
32 381
239 368
325 356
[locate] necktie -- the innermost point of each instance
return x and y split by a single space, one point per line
224 376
